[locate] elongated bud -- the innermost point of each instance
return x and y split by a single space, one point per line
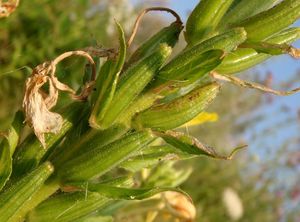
134 80
30 152
12 199
102 159
204 19
244 9
107 81
194 60
77 204
267 23
185 73
8 146
177 112
245 58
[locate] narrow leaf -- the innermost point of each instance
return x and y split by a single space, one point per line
192 146
102 159
30 152
7 148
109 81
122 193
68 207
12 199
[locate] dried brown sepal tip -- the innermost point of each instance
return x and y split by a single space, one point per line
37 103
294 52
6 8
204 149
251 85
141 15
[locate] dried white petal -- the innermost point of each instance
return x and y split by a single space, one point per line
37 104
8 7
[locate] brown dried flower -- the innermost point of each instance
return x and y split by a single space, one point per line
6 8
37 103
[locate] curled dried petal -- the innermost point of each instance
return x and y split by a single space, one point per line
7 8
37 103
251 85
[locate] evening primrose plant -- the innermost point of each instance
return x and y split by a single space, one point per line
115 144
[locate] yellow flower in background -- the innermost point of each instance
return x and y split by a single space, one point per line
203 117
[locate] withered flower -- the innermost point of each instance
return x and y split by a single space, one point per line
37 103
6 8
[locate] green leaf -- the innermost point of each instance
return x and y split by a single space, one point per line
191 145
90 140
5 163
13 199
108 79
68 207
30 152
152 156
245 9
178 111
189 71
269 48
133 82
102 159
122 193
193 59
7 148
244 58
204 19
267 23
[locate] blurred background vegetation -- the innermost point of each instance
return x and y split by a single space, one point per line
42 29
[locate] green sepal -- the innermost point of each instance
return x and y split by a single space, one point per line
15 197
178 111
122 193
245 9
190 71
204 19
133 81
102 159
245 58
68 207
108 81
267 23
30 152
144 101
268 48
8 146
190 145
226 41
152 156
90 140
